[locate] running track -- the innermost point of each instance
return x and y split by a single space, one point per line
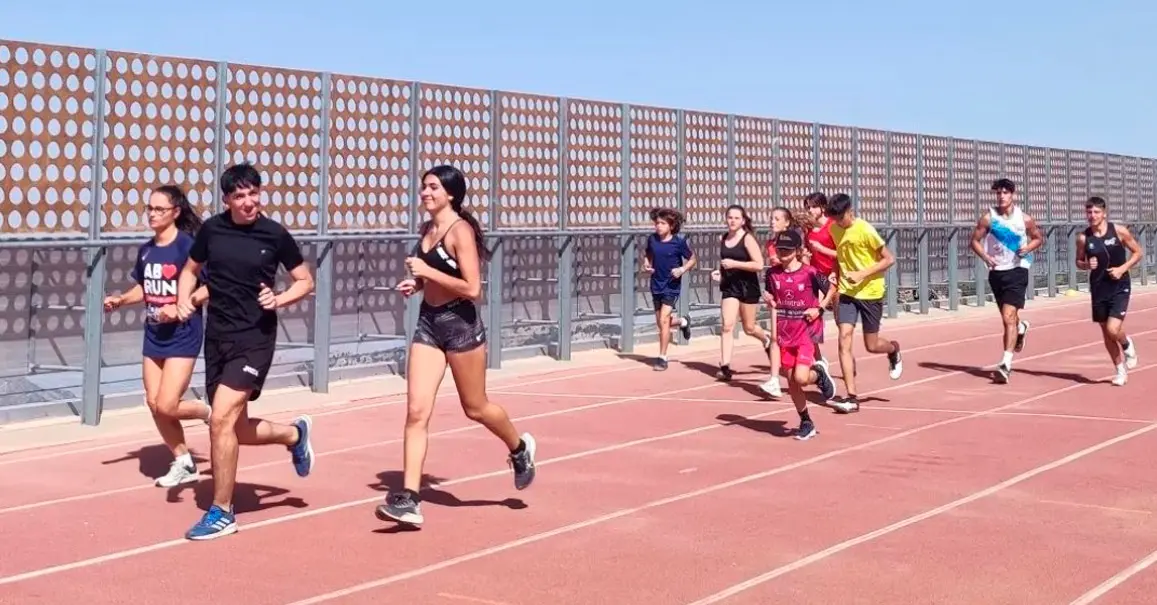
656 488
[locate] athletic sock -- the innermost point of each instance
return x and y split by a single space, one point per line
804 416
1007 359
186 460
1126 344
521 447
1121 371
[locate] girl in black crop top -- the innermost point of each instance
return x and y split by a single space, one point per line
445 265
740 264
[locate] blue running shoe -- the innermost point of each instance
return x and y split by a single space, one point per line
302 451
214 524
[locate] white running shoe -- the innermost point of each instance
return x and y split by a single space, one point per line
772 387
1130 353
179 474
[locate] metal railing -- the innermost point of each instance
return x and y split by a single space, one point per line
562 187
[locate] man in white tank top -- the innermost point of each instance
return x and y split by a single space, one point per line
1005 238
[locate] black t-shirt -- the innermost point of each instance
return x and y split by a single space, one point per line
237 259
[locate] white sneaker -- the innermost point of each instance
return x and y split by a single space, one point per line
772 387
178 474
1120 379
1131 354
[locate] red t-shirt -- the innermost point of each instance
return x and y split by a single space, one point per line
823 237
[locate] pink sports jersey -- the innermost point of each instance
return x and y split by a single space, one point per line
795 292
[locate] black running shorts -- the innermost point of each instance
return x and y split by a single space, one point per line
240 364
1009 287
1112 302
454 327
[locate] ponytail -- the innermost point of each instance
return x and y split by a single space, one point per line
479 240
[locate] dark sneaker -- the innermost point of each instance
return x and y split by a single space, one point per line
400 507
1003 372
523 463
724 373
1021 335
685 328
806 430
824 380
660 364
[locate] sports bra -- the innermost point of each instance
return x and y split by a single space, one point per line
438 257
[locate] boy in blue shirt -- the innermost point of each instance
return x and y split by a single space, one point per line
668 256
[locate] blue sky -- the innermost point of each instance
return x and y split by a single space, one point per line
1075 75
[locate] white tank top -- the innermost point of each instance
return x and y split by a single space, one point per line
1006 235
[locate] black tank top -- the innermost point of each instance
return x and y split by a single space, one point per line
1109 252
738 253
438 257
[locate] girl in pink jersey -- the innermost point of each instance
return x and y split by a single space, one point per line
797 292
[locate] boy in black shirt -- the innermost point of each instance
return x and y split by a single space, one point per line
240 250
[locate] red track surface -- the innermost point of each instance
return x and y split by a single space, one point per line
656 488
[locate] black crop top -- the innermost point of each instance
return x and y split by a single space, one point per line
438 257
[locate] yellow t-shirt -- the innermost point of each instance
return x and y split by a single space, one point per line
857 249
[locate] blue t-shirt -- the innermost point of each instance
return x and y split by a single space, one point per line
665 256
157 270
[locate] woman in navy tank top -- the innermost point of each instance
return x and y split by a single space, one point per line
170 347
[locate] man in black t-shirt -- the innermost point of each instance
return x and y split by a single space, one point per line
241 250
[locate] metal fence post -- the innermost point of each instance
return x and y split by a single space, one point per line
856 170
980 270
566 243
1071 235
922 269
892 281
221 132
1051 235
684 303
953 233
495 267
92 403
323 288
816 164
627 246
494 301
413 304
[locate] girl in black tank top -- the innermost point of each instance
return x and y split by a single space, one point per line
740 265
449 333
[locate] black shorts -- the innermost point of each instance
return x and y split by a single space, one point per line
746 290
659 300
240 364
870 311
1112 302
1009 287
454 327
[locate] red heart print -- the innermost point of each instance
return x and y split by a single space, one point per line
168 271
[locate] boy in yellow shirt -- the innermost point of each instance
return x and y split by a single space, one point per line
863 258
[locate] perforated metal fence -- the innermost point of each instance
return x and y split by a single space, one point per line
563 187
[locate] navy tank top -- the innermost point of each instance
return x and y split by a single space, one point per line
1109 252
